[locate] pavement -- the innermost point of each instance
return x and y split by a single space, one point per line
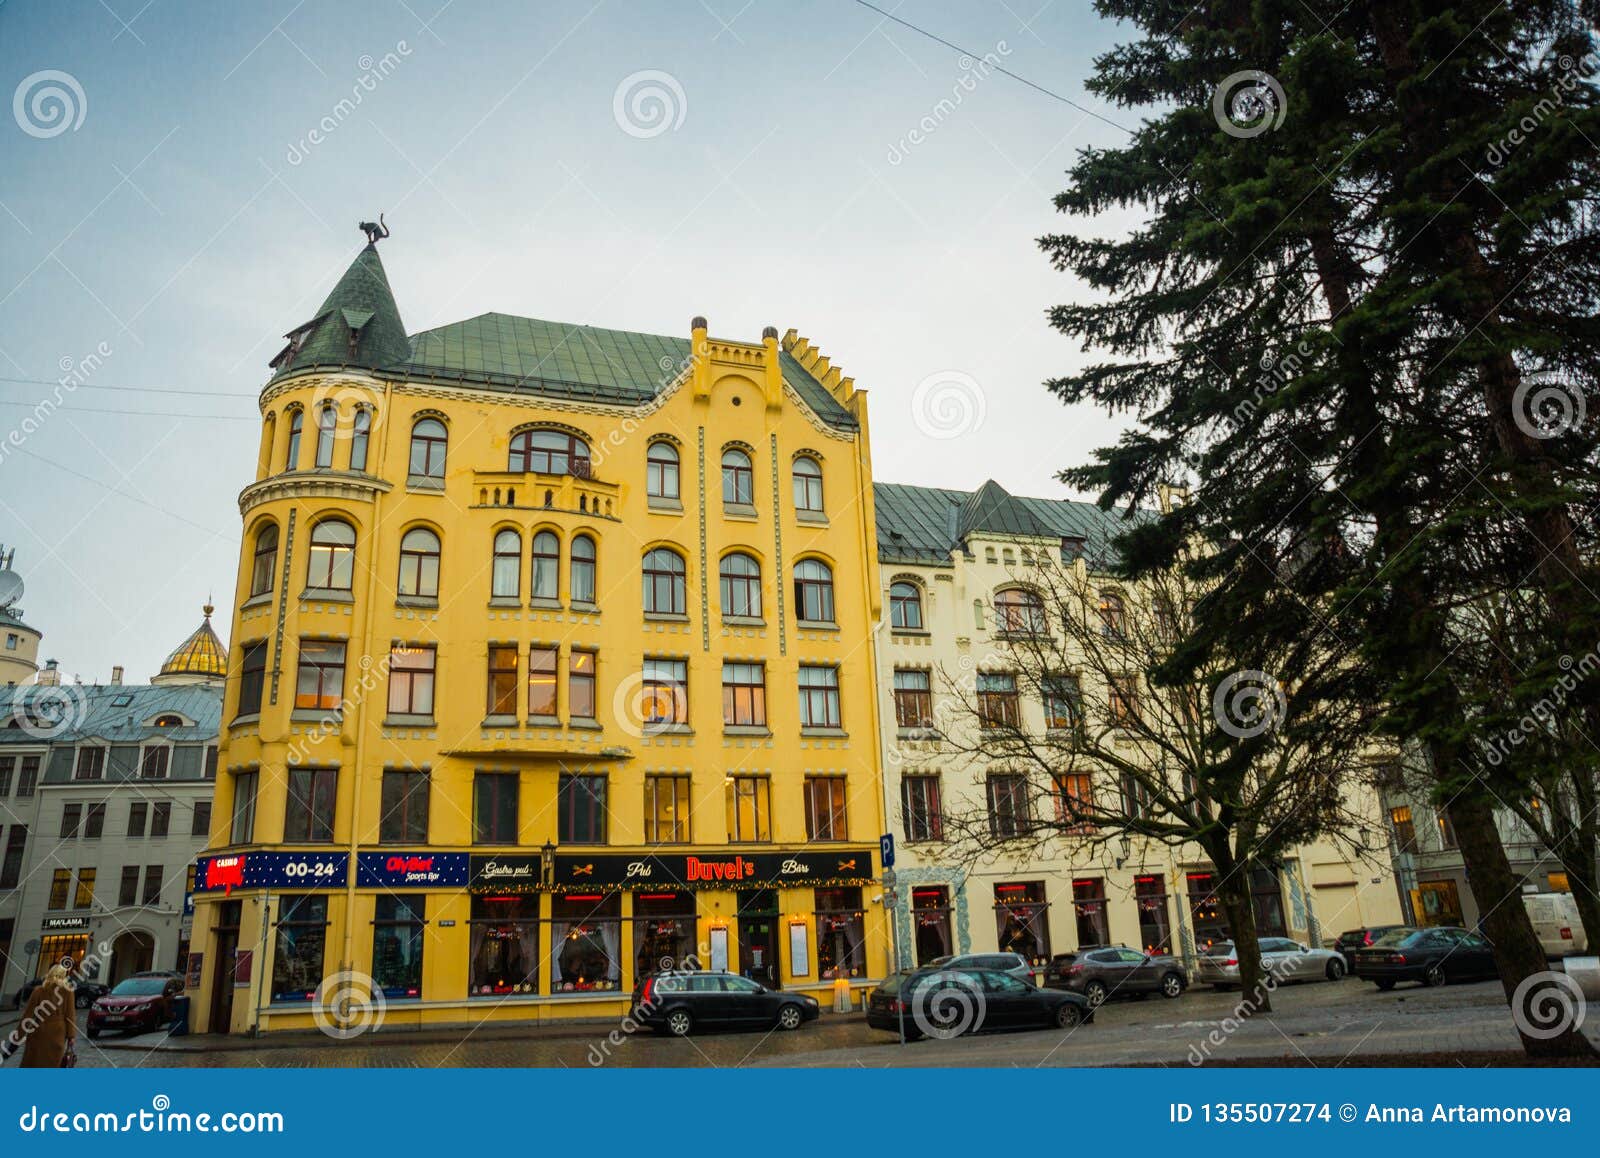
1345 1023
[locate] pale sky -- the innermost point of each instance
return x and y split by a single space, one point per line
170 217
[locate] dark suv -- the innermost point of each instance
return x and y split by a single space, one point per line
1116 971
1352 940
680 1003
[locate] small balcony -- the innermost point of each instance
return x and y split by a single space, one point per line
573 494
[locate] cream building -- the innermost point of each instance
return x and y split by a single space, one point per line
947 557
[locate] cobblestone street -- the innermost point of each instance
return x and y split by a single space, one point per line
1326 1024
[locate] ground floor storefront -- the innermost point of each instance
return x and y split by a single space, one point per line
449 937
1046 909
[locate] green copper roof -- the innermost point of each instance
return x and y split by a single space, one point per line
925 524
526 355
565 360
361 307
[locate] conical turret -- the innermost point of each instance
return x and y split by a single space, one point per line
358 325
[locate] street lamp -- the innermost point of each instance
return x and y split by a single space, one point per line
547 862
1126 845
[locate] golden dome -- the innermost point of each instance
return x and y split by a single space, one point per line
200 657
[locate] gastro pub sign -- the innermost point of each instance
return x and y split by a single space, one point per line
718 869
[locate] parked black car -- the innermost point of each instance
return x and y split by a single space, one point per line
85 993
1431 956
1105 972
1353 939
950 1002
680 1003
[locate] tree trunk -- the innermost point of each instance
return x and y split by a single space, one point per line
1504 920
1233 891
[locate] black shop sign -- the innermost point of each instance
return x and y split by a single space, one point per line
716 869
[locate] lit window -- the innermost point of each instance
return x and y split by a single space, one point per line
411 680
320 686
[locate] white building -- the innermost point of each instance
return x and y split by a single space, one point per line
945 557
105 801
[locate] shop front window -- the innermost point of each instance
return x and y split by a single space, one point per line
841 933
930 914
1266 897
397 945
504 946
1205 911
663 932
1022 919
1155 920
61 949
585 943
1089 906
297 959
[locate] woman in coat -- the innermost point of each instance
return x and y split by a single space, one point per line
49 1021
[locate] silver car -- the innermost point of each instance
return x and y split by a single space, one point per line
1013 963
1280 957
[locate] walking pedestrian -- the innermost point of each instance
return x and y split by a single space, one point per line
49 1025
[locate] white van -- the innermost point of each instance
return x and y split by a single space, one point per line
1555 920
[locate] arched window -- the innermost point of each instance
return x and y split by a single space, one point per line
546 566
269 427
429 440
327 426
738 478
549 452
331 560
291 453
505 581
661 471
582 569
813 591
663 582
1019 611
419 564
360 431
265 564
740 584
807 484
905 606
1113 615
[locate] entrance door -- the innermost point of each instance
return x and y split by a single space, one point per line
224 941
758 937
132 952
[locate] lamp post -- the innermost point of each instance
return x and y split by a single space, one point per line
547 863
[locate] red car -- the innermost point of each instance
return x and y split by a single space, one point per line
137 1004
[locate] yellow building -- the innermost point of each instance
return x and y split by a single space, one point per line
550 667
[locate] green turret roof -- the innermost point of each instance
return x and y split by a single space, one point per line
358 325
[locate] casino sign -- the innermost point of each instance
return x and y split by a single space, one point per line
225 872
